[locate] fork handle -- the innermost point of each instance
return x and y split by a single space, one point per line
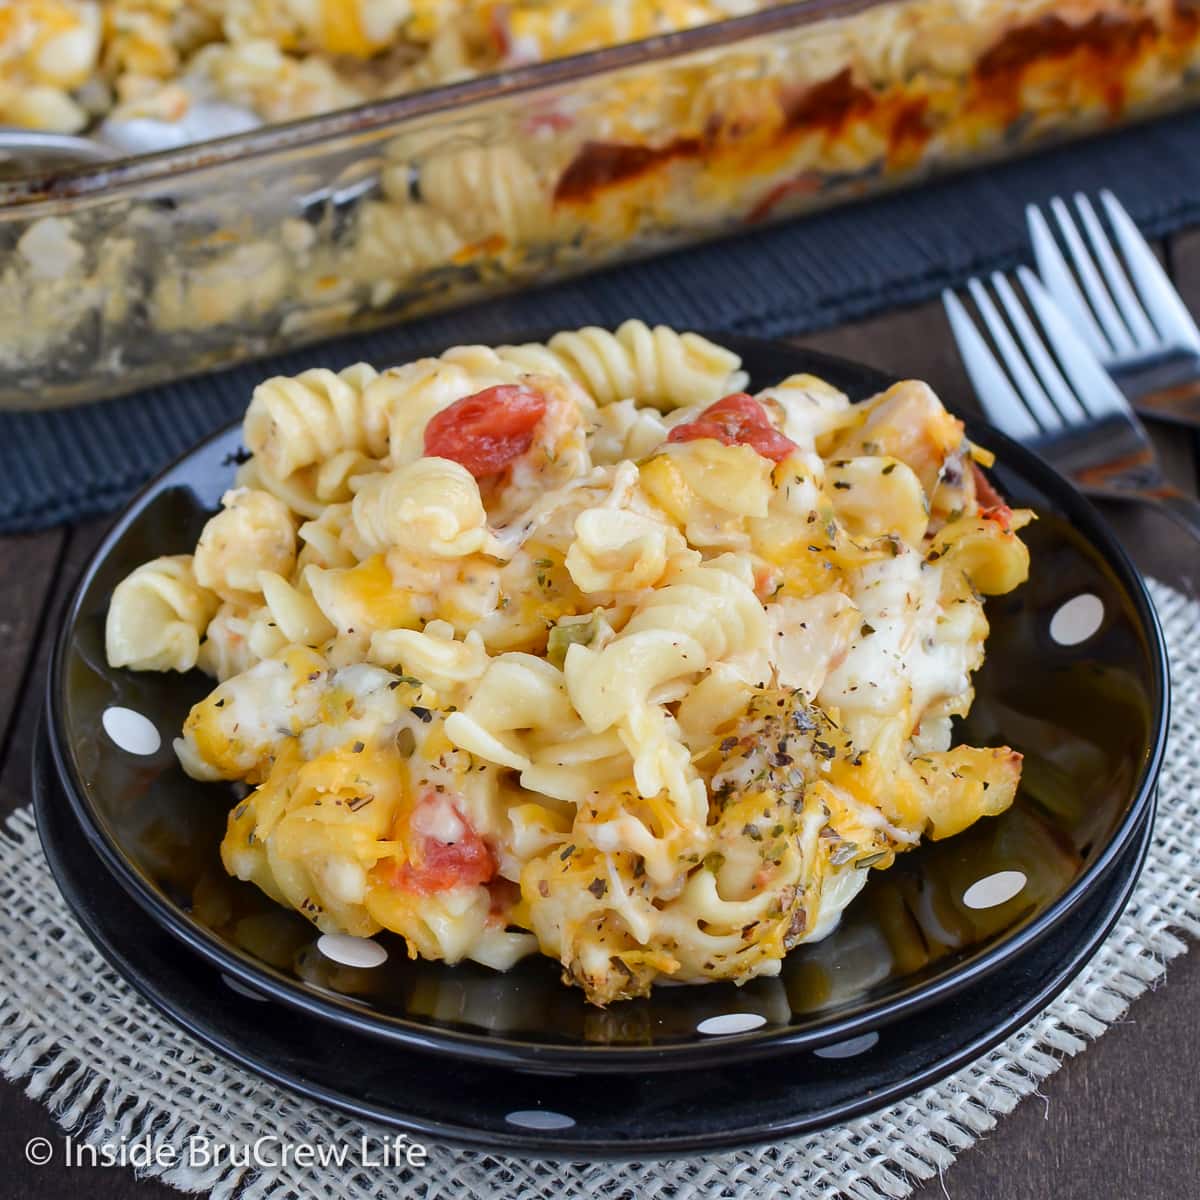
1179 506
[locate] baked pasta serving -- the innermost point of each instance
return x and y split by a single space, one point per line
579 648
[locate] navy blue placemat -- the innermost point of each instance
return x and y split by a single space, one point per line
828 268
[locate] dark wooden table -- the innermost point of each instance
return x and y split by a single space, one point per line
1120 1121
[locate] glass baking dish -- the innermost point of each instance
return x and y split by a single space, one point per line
118 275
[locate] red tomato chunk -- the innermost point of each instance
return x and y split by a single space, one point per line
439 866
1001 514
738 420
985 492
487 431
992 506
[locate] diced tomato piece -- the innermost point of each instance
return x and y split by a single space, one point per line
488 430
985 492
498 32
437 866
737 420
1000 513
767 580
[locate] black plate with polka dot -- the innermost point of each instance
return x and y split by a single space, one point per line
1075 678
528 1112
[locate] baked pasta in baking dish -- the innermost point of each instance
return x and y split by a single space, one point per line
65 62
581 648
111 288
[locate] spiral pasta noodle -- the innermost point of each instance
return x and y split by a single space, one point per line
293 423
253 532
485 190
430 506
619 551
708 613
412 394
224 287
328 540
157 615
397 242
433 655
579 652
652 366
517 692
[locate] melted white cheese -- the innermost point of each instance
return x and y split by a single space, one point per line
437 818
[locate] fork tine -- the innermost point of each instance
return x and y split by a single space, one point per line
1000 402
1053 269
1158 294
1097 293
1092 384
1028 387
1035 349
1145 336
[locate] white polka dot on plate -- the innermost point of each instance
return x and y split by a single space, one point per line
994 889
539 1118
730 1023
129 730
850 1047
1077 619
351 951
236 985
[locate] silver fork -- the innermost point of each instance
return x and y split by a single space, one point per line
1133 319
1072 414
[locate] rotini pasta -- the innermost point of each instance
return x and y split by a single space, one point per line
292 58
409 396
655 366
294 423
254 532
458 204
397 242
232 285
579 652
157 616
482 191
430 506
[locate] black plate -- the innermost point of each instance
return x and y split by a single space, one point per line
631 1115
1090 719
